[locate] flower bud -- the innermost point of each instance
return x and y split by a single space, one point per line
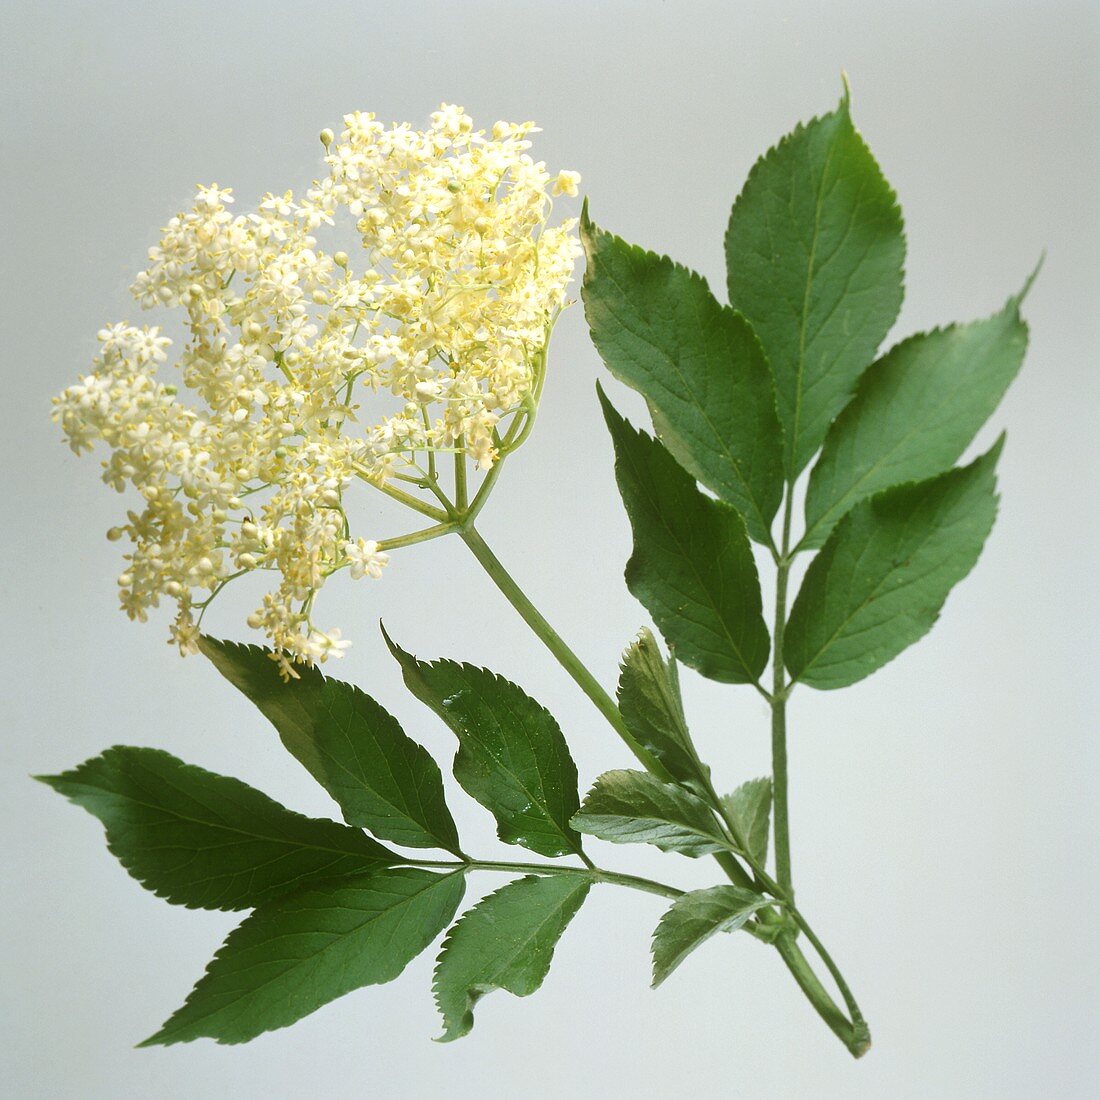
327 137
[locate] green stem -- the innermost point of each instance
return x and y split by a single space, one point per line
461 499
854 1034
858 1023
595 874
417 536
482 494
779 711
583 678
554 642
409 500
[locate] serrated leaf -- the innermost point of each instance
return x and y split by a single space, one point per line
750 807
879 582
204 840
296 954
506 941
381 779
631 807
650 707
512 756
814 254
694 918
692 566
699 365
915 411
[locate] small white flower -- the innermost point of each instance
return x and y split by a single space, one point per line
365 558
321 645
566 183
242 459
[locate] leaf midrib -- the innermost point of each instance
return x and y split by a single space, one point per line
234 829
804 316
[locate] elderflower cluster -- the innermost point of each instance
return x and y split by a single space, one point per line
444 315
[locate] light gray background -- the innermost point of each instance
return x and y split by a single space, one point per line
944 812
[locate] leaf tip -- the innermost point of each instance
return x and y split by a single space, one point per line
400 655
846 98
1018 300
589 230
611 415
158 1039
994 453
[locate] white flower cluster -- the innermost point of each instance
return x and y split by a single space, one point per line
449 313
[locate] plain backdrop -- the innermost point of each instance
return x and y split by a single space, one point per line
944 811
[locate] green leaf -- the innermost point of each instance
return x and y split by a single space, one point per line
204 840
382 779
507 942
692 566
750 807
814 253
916 410
296 954
694 918
631 807
512 756
650 707
878 584
699 365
